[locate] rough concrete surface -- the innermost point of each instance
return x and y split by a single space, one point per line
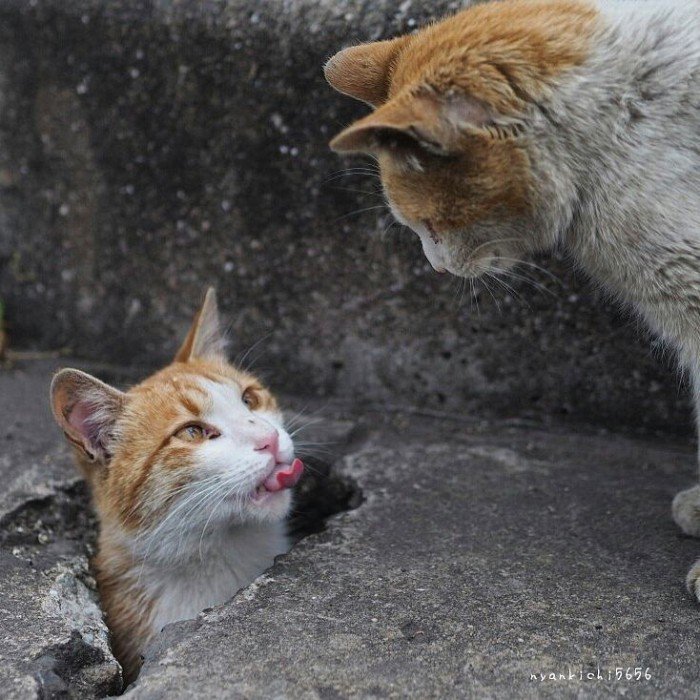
482 554
476 553
53 641
149 148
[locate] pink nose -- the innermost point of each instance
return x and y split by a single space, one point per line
269 442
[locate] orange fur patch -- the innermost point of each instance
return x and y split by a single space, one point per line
502 56
126 607
499 51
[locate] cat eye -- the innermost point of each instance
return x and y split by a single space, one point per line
251 398
196 433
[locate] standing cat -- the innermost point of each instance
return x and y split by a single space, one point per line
519 125
190 473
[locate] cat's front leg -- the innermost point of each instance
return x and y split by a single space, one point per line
693 580
686 511
686 504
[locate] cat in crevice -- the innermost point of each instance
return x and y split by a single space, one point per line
191 474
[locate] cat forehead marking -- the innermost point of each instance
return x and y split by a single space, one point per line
536 37
224 397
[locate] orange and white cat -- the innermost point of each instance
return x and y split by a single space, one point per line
516 126
191 474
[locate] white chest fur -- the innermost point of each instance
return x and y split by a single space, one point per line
212 572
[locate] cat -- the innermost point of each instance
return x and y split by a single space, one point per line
191 474
516 126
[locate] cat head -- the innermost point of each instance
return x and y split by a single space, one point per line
453 126
199 441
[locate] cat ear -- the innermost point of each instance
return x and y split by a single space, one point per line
436 123
86 409
205 339
363 71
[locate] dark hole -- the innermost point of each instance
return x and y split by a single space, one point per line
319 495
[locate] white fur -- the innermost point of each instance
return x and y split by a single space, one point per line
435 254
232 558
213 540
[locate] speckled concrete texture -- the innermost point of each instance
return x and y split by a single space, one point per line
481 555
148 149
471 554
53 641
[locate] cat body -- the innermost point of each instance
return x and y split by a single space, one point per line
517 126
190 473
140 593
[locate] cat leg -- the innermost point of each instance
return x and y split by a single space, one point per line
693 580
686 504
686 511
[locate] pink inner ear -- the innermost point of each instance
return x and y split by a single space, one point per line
463 110
79 420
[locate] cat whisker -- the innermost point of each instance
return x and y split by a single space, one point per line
317 452
508 288
314 418
240 361
186 526
388 228
304 426
371 193
153 536
523 278
359 211
317 443
533 265
211 503
505 285
313 470
484 281
335 178
163 495
462 287
366 166
485 243
196 492
351 172
201 491
214 508
474 296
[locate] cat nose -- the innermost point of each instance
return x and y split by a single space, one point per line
269 441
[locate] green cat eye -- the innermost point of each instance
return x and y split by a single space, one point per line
191 433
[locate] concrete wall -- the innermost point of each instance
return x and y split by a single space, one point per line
148 149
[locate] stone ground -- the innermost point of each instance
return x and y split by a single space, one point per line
475 554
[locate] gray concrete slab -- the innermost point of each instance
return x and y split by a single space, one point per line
481 555
477 553
53 641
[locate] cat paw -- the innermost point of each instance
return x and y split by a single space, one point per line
686 511
692 581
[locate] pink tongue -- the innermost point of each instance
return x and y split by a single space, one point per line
285 476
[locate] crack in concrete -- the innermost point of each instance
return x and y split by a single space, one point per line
81 663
